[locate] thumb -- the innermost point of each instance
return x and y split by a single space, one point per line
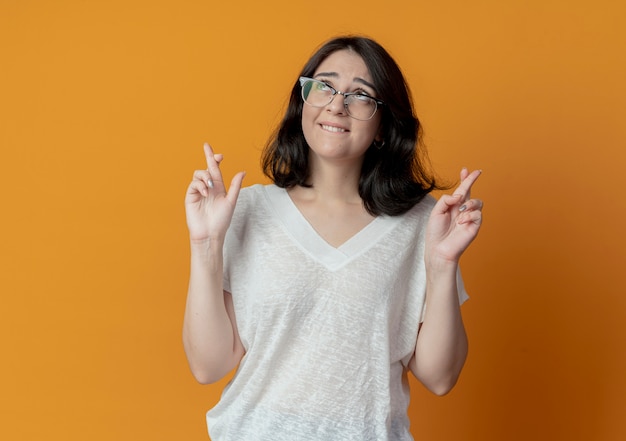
446 202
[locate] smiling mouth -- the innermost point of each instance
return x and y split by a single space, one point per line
333 129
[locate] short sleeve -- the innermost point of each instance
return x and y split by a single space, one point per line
235 236
460 287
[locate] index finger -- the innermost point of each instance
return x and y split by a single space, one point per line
465 186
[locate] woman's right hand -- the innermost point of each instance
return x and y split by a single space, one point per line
208 206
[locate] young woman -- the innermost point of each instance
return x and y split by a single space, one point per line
325 288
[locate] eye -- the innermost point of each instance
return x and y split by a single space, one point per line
321 86
362 97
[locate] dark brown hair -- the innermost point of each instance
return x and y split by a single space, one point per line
393 178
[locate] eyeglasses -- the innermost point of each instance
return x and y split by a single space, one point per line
319 94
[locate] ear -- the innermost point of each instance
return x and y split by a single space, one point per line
380 136
380 133
379 139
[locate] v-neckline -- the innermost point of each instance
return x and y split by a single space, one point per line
302 232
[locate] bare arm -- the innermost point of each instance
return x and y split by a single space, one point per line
441 347
210 334
210 337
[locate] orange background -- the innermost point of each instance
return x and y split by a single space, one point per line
104 106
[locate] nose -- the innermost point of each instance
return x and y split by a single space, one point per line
337 104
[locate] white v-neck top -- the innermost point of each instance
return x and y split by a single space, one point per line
328 332
302 233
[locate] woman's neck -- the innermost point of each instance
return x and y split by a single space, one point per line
334 182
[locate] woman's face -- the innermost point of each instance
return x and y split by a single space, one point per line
329 131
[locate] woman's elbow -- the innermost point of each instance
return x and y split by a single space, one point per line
205 377
438 381
208 370
443 386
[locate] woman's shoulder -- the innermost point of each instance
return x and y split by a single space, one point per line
256 195
423 207
256 191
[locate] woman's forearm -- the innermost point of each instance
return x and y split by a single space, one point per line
210 337
441 347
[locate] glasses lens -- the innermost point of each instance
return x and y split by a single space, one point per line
361 106
315 93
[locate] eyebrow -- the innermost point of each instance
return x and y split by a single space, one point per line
356 79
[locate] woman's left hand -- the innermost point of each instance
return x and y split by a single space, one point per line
454 222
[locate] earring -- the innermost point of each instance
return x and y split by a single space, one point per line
379 144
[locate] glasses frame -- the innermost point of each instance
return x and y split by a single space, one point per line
335 92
